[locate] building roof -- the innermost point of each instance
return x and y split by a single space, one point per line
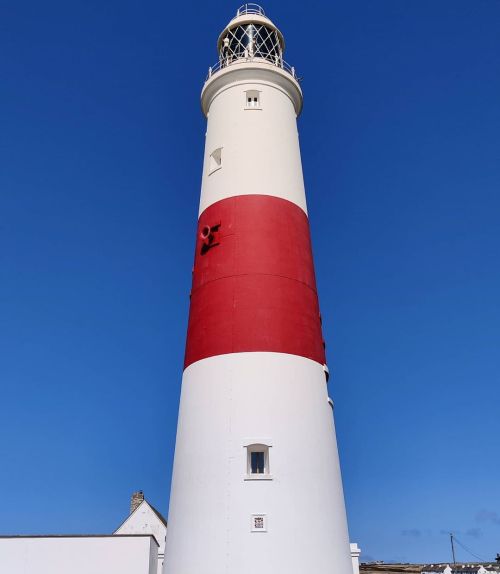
2 536
159 514
160 517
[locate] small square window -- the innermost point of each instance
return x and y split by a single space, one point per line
215 160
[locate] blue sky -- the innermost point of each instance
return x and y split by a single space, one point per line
101 146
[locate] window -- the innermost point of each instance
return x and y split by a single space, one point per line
257 465
252 100
326 370
215 160
258 461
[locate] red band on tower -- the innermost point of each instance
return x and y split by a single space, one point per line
253 281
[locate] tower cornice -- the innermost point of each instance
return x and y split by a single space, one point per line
255 71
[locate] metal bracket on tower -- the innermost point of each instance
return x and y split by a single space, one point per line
209 237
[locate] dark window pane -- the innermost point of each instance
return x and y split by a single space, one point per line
257 462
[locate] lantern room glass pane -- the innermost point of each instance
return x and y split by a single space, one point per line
251 41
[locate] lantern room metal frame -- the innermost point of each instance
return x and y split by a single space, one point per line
250 37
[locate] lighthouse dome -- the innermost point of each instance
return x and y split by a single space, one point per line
251 37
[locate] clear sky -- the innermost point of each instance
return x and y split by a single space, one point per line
101 146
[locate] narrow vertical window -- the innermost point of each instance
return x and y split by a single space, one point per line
215 160
258 461
252 99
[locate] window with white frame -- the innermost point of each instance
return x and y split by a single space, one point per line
252 99
215 160
258 461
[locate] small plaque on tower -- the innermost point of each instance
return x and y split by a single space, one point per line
259 523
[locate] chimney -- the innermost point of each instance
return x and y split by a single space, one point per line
135 501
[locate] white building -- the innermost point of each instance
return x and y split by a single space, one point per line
461 568
144 519
355 554
136 547
84 554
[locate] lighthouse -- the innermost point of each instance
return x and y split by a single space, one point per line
256 484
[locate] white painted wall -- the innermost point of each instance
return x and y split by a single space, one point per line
430 570
145 521
355 553
260 147
79 555
227 402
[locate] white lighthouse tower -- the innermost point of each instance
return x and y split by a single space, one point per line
256 482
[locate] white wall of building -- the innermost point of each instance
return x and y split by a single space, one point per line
79 555
144 520
355 553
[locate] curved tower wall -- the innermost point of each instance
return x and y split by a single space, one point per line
260 147
254 365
